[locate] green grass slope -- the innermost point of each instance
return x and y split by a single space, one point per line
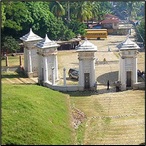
34 115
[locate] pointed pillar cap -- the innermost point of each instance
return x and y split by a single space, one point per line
47 43
30 37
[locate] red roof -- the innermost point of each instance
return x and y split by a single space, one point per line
109 21
108 16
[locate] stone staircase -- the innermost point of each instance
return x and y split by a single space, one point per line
20 80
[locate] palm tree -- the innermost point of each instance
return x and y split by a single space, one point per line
83 11
95 10
57 9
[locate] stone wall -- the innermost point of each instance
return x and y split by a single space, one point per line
64 88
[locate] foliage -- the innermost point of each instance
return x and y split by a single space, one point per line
17 15
11 44
57 9
77 27
104 8
29 119
83 11
45 21
88 10
140 32
66 34
52 17
95 10
130 10
3 14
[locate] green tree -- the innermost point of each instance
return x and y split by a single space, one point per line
83 11
140 32
10 44
129 10
3 14
95 10
77 27
57 9
44 22
42 18
104 8
17 15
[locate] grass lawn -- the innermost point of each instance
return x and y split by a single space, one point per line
112 118
35 115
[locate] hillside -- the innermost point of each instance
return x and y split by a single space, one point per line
34 115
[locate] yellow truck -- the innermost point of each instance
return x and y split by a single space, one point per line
95 33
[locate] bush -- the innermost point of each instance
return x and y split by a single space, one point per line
10 44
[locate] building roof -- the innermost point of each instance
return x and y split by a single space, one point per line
86 46
107 21
47 43
30 36
109 18
128 45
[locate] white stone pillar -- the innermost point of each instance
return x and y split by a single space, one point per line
119 73
64 76
81 73
45 69
123 75
25 59
56 67
134 70
39 68
53 76
29 62
93 72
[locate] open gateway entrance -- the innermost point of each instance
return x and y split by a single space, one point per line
128 82
86 81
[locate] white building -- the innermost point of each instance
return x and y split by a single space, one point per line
48 63
86 55
30 54
128 51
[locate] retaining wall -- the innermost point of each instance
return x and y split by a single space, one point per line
64 88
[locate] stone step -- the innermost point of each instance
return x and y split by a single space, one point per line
9 80
24 80
18 81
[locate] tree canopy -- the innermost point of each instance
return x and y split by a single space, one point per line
58 19
140 31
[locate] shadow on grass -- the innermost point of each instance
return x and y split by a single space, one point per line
11 75
14 74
